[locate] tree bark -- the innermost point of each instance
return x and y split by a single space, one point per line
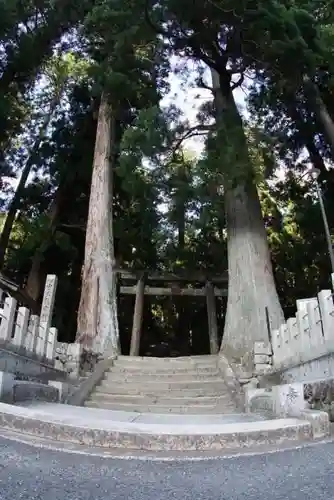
315 157
181 208
182 327
321 111
97 314
307 136
251 285
70 321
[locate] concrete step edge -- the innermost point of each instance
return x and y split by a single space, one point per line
202 391
168 401
167 361
161 409
158 437
116 375
170 383
111 387
162 369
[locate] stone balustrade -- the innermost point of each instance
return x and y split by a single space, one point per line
31 337
305 340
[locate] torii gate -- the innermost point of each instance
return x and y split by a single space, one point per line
142 285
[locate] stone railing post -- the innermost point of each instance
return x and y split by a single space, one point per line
277 348
51 344
46 314
313 313
32 334
294 339
21 327
285 350
7 319
325 298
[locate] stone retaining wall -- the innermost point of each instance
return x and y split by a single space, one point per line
27 368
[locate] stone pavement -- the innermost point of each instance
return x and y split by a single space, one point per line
28 473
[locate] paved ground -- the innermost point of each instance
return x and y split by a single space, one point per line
29 473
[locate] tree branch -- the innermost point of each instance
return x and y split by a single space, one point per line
238 83
197 130
200 83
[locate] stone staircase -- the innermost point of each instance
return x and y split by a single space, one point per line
185 385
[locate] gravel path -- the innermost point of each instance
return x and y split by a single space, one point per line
32 473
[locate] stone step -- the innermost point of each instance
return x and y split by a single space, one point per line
207 358
167 384
156 371
161 409
165 401
165 363
111 430
191 389
143 378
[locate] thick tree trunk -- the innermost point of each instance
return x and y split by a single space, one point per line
181 210
307 136
321 111
316 158
182 327
97 315
251 286
13 208
70 321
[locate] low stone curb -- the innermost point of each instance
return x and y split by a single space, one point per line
157 438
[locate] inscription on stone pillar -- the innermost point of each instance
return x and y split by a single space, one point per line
48 299
46 314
